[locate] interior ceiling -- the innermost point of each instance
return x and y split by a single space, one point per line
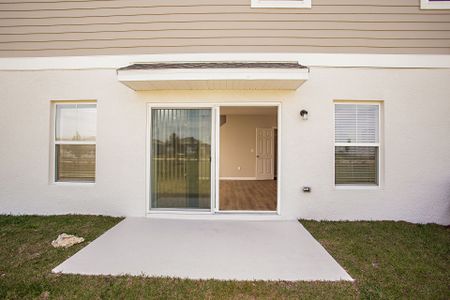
248 110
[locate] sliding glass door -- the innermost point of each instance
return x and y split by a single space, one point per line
180 158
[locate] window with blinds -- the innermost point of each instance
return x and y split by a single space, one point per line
75 142
281 3
357 144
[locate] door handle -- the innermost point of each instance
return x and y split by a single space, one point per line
257 156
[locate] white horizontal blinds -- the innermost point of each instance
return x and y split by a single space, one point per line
356 143
345 123
367 123
75 138
356 123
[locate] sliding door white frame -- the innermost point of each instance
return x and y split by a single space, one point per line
215 156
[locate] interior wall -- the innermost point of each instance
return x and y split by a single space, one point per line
238 144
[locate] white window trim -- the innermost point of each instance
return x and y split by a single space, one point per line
281 4
427 4
377 186
54 142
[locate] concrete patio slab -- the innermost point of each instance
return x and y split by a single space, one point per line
207 249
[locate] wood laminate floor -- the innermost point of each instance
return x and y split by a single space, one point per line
248 195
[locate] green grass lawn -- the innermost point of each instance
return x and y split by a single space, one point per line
386 259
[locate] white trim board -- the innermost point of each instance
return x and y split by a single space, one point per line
237 178
307 59
232 215
440 4
281 4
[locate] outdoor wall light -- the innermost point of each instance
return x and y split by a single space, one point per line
304 114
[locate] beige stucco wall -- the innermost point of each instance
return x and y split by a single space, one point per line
238 144
62 28
416 143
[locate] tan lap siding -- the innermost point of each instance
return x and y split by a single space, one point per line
79 27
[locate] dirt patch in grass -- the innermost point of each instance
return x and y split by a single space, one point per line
387 259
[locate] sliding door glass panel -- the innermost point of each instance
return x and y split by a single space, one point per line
181 159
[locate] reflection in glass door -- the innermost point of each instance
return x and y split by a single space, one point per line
181 158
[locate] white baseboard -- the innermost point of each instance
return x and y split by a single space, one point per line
237 178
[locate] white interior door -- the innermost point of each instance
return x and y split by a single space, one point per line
264 153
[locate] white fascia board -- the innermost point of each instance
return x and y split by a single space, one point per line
212 74
306 59
141 80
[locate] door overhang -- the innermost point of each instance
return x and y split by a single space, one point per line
214 76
